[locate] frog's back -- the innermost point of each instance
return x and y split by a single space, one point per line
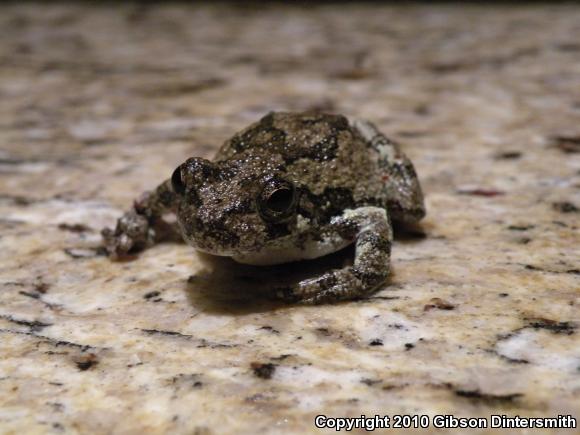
320 152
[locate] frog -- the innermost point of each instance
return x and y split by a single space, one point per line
293 186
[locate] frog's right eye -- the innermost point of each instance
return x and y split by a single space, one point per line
177 182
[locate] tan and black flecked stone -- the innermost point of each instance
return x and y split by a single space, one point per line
482 314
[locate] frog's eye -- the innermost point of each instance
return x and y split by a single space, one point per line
177 182
277 200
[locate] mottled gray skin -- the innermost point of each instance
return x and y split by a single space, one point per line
292 186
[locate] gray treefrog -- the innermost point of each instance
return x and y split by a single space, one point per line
292 186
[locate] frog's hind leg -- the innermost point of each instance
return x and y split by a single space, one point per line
143 226
371 230
403 191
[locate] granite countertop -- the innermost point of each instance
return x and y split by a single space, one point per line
482 313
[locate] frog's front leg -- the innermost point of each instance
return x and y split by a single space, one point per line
371 230
143 225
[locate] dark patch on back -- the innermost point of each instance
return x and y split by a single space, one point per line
327 148
322 151
262 135
280 140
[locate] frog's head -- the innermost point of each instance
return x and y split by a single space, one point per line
235 206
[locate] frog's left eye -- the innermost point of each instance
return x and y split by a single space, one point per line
177 182
277 200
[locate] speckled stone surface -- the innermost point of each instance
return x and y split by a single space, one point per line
482 314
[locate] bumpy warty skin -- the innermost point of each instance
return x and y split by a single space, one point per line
331 165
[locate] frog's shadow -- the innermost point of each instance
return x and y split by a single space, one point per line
225 286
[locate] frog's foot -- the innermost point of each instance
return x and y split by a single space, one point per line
132 234
373 237
142 226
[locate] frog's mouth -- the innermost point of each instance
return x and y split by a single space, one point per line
224 245
216 252
211 247
252 244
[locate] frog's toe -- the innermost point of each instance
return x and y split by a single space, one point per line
333 286
132 234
